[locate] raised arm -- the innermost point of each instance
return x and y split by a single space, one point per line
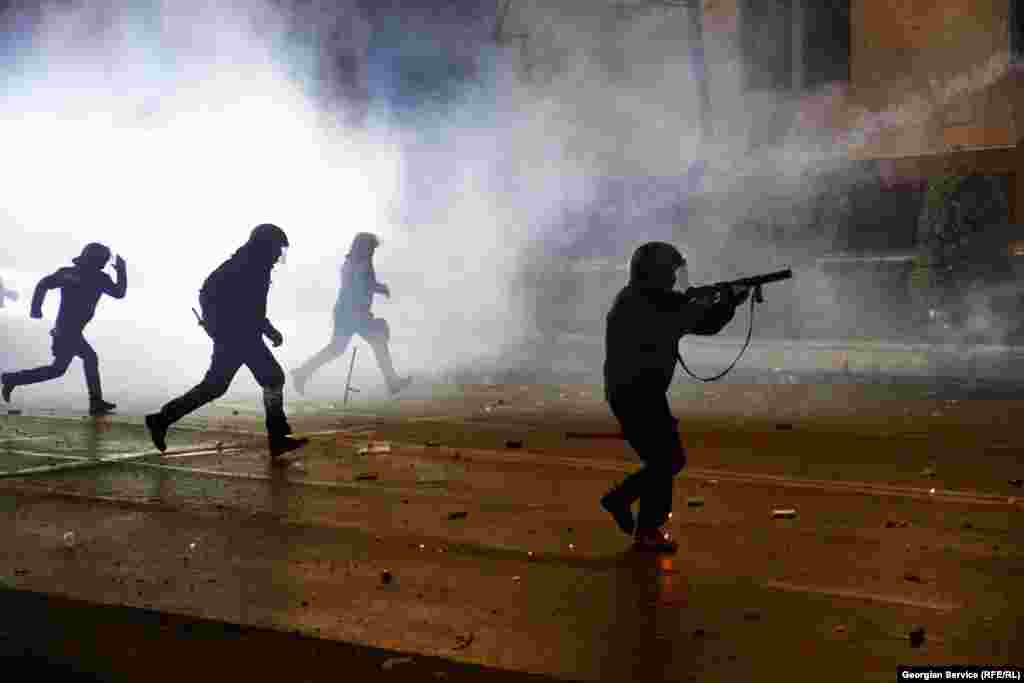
119 288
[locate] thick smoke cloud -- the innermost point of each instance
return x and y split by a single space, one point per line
167 130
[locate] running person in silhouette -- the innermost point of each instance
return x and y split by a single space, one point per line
352 316
81 286
234 302
644 327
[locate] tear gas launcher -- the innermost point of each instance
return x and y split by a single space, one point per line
755 282
718 292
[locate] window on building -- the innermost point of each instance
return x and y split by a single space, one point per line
826 42
796 45
766 39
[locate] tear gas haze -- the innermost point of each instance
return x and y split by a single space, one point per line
168 130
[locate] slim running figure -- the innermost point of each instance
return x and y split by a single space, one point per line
81 287
352 316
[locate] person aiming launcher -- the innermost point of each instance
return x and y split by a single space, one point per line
81 286
644 326
234 303
352 316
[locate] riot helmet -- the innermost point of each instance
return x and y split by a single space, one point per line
363 245
656 265
270 239
94 255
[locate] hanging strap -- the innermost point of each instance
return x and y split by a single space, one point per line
723 373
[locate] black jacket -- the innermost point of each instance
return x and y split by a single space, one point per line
234 296
643 331
80 291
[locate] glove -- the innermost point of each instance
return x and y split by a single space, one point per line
275 337
740 293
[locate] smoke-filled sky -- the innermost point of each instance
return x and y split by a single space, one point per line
167 130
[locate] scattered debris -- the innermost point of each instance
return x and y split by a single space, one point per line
235 413
69 539
917 636
839 628
367 476
928 472
462 642
432 444
392 662
1017 482
20 572
912 578
461 514
514 444
694 502
386 577
14 411
517 579
375 448
783 513
896 524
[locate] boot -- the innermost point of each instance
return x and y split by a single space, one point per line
620 511
654 541
157 430
279 445
98 407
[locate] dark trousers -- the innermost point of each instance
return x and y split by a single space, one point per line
66 345
652 431
229 355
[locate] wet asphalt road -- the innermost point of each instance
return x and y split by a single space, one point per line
499 557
